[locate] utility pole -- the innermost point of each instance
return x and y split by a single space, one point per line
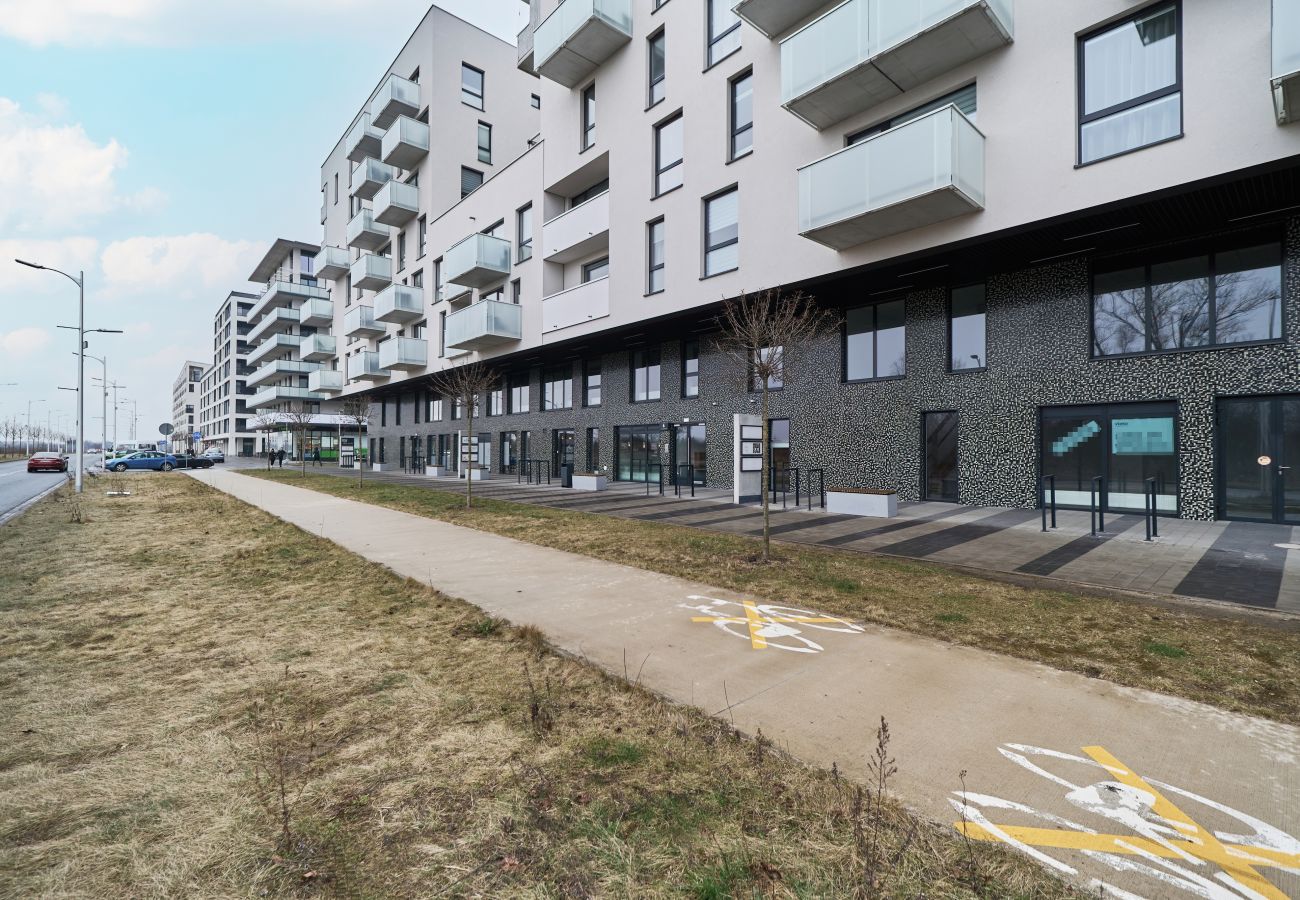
29 424
115 386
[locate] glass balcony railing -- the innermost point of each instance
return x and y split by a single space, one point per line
405 143
325 381
275 320
332 262
275 344
489 323
316 312
360 320
363 139
578 36
369 176
271 395
922 172
399 303
404 353
1286 60
865 51
371 272
365 365
397 97
281 368
318 347
477 261
364 233
396 203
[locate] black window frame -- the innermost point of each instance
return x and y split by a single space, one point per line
704 232
690 354
587 104
485 150
588 267
562 374
875 346
651 266
643 355
587 373
1149 96
519 381
959 287
653 83
712 40
482 90
463 171
732 131
659 168
523 248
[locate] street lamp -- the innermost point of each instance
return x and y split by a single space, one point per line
29 424
80 282
103 384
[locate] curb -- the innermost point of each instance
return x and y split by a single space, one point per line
30 502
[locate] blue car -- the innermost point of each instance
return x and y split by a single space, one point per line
144 459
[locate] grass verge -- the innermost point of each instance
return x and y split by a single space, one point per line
1237 665
198 700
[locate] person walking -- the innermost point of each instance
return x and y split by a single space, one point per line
279 457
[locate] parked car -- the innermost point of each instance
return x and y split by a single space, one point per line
188 461
47 462
144 459
216 454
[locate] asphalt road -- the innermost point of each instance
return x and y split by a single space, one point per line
17 486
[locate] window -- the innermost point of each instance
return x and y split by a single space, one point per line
593 449
593 271
524 233
742 115
442 334
591 383
1210 299
668 155
655 257
1126 443
966 328
963 98
1130 84
691 368
435 409
401 251
775 381
722 232
383 413
496 401
471 86
724 30
536 101
516 289
588 116
484 142
423 234
595 190
519 395
470 180
437 279
645 375
557 389
655 52
336 188
875 341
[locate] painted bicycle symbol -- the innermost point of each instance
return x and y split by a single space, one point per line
767 624
1142 831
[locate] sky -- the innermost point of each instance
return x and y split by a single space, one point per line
161 146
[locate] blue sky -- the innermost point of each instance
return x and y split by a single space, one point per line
162 145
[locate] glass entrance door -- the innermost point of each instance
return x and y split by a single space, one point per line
1259 458
778 445
690 451
941 456
562 449
638 453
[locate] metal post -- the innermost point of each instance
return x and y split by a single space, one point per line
1097 496
81 378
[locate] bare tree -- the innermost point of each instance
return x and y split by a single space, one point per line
763 335
264 422
464 385
357 410
300 418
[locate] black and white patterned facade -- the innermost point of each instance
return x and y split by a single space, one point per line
869 434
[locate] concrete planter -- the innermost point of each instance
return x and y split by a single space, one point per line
477 474
877 504
437 472
381 467
590 482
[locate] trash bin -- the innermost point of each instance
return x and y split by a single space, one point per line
566 475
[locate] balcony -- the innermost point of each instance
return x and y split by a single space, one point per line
325 381
369 177
405 143
863 52
275 344
404 353
577 233
363 140
274 322
774 17
450 293
285 293
488 323
281 368
578 36
584 303
922 172
477 261
332 262
371 272
524 43
397 97
399 303
1286 60
317 313
364 234
396 203
270 395
318 347
359 321
364 366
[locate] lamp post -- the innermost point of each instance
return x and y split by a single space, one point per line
80 282
103 385
29 424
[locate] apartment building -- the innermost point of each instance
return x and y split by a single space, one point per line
223 391
1061 239
185 403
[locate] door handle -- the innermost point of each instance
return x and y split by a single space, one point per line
1283 468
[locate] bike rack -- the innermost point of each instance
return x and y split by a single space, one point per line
1096 515
1149 500
690 478
821 487
660 468
1042 498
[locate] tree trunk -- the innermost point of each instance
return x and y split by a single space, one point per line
360 460
469 435
765 477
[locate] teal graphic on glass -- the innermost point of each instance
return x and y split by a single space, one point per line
1142 437
1083 433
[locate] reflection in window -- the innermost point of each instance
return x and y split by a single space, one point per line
1124 443
691 368
724 30
657 68
875 341
773 359
591 383
557 389
668 155
595 270
655 257
742 115
966 328
645 375
722 233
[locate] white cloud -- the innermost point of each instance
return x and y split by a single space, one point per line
68 254
183 266
55 176
22 343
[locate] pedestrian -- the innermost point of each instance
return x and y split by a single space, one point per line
317 457
279 456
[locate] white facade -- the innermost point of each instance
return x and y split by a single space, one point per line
185 402
222 418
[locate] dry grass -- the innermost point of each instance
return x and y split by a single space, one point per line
1244 666
201 701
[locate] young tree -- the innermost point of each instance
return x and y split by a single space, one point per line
763 335
357 410
265 422
300 418
464 385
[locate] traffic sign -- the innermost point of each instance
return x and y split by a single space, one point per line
165 429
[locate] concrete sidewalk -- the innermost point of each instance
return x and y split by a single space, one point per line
1113 786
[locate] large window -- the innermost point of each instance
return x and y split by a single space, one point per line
668 155
645 375
690 368
595 270
724 30
655 257
966 328
1130 84
722 232
496 401
1124 443
759 360
471 86
742 115
524 233
593 449
655 48
1203 300
588 116
875 341
591 383
519 399
557 388
484 142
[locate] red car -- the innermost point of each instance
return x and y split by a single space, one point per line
47 462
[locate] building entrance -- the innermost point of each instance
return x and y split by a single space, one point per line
940 456
1259 459
637 451
689 447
